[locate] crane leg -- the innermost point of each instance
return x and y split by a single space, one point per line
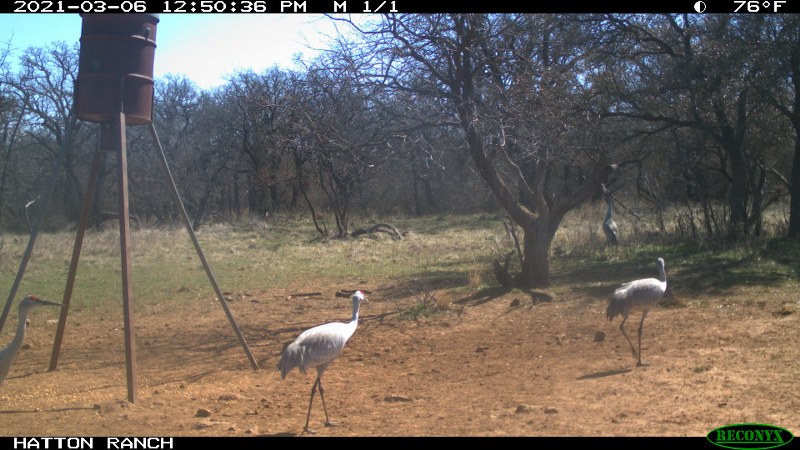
641 324
328 423
622 328
311 402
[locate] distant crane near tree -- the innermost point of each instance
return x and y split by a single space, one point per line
316 348
638 295
609 226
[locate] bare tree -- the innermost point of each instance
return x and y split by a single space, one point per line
44 85
701 73
256 123
783 39
188 117
13 109
512 85
347 130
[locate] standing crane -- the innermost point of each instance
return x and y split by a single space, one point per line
8 354
639 295
609 227
316 348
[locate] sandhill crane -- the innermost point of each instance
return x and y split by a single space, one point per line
609 227
8 354
316 348
639 295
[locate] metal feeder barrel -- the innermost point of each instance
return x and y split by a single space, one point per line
116 48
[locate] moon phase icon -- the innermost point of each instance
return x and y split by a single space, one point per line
700 6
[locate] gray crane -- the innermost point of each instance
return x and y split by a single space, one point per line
639 295
316 348
609 227
8 354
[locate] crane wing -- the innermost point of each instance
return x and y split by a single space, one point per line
315 347
646 289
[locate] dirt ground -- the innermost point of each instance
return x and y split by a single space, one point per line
494 364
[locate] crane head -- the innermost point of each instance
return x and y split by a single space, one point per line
31 300
358 295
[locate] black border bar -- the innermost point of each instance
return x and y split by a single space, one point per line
399 6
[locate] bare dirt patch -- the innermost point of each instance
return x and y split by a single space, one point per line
550 365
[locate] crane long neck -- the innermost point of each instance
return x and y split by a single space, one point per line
356 305
16 343
663 273
608 211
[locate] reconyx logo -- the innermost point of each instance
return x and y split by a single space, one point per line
749 436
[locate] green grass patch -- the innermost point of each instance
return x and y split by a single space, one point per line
451 253
277 254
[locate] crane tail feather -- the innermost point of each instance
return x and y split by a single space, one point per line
616 307
292 357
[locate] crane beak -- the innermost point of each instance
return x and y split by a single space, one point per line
48 302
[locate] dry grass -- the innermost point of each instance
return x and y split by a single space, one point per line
165 266
581 233
451 253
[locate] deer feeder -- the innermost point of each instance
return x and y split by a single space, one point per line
116 59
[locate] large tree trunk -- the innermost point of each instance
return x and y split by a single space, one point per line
200 212
731 138
737 199
536 256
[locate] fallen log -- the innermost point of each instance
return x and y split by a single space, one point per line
305 294
347 293
379 228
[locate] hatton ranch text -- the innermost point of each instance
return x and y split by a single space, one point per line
74 443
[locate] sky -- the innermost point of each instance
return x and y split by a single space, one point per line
206 48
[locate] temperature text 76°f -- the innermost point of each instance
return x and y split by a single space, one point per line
755 6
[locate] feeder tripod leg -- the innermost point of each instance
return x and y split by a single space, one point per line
76 249
179 203
125 250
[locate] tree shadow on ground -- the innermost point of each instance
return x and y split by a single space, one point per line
704 272
495 292
439 280
607 373
55 410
